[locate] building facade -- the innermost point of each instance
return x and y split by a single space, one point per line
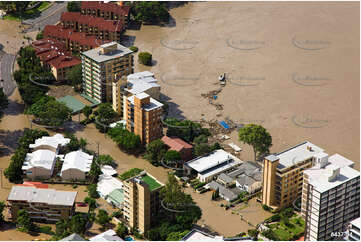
95 26
143 116
353 230
102 66
283 174
330 197
108 11
43 205
141 200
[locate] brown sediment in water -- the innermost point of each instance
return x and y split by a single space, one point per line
294 68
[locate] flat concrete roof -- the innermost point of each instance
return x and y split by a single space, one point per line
40 195
210 160
95 54
297 154
148 107
319 177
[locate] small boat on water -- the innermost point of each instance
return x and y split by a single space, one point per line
222 79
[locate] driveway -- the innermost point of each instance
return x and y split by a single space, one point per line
49 16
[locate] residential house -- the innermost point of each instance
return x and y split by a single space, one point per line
52 143
39 164
177 144
198 235
225 180
109 11
224 192
76 165
109 235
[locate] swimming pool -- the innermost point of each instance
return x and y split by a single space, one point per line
128 238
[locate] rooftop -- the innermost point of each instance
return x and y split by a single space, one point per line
248 168
91 21
176 143
224 177
197 235
39 158
77 160
335 172
108 235
107 184
356 222
95 54
40 195
53 141
152 183
223 191
245 180
295 154
154 104
73 237
107 7
210 160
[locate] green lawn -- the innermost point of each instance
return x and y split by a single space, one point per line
130 173
284 232
153 184
32 13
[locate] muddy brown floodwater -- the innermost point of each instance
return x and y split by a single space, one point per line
292 67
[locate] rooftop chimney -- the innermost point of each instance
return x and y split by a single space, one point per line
335 174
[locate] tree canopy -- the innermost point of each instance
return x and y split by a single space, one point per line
49 111
155 151
151 12
122 230
87 110
256 136
185 129
73 6
4 102
126 140
145 58
23 221
74 77
102 218
172 156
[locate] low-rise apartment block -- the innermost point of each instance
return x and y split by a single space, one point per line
102 66
73 41
95 26
143 116
330 197
353 230
55 57
283 174
43 205
141 200
108 11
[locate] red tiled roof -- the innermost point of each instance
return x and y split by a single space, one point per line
301 239
65 61
46 45
176 143
100 23
54 31
34 184
107 7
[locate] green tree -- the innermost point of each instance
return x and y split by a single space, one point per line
92 204
172 156
133 48
73 6
61 228
4 102
173 194
24 222
253 233
40 35
122 230
151 12
145 58
102 218
125 139
49 111
201 139
256 136
75 143
21 6
74 76
87 111
155 151
78 224
176 236
2 207
92 191
201 149
104 116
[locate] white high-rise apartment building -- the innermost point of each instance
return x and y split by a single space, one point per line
330 197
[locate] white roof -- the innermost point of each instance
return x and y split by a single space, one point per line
98 57
124 122
52 141
152 105
41 195
319 177
108 235
107 184
141 82
235 147
210 160
39 158
297 154
108 170
356 222
196 235
77 160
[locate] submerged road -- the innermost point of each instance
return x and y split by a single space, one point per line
6 72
